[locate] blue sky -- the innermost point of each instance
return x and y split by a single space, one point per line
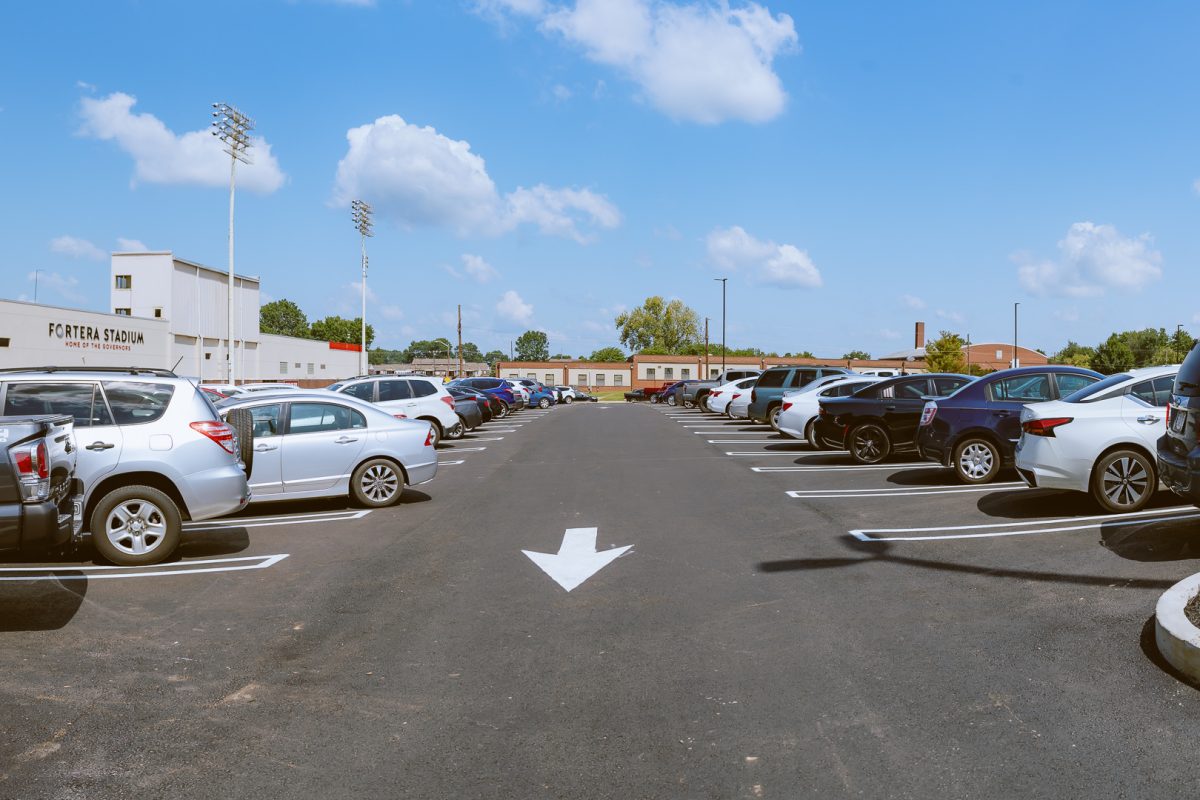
851 167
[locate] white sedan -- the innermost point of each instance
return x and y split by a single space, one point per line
718 399
800 408
1102 439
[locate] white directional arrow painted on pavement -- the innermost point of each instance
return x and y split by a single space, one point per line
577 559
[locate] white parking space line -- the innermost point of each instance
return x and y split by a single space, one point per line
482 439
725 432
788 453
263 522
452 450
747 441
839 468
1030 527
449 463
903 491
238 564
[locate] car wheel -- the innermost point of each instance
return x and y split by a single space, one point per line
773 417
456 431
568 399
544 402
810 433
671 400
869 444
437 431
243 424
135 526
976 461
688 404
1124 481
653 398
377 483
503 410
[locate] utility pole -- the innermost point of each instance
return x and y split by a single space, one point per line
968 354
232 127
723 281
706 375
460 358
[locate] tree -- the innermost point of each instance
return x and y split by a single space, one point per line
379 356
1182 342
494 357
1113 356
470 352
858 354
658 325
429 348
1075 355
607 354
532 346
561 355
801 354
945 353
340 329
283 318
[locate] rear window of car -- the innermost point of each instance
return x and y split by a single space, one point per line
1156 392
363 391
1187 382
912 389
83 401
422 388
1097 390
1022 389
138 403
394 390
772 379
1070 382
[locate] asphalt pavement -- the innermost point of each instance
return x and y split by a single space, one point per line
780 626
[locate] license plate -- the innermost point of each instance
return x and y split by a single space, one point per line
1178 419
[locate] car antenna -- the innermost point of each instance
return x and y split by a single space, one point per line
177 363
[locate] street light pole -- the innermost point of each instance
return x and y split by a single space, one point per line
722 280
232 127
35 284
1016 361
360 214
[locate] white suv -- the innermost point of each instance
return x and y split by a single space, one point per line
407 397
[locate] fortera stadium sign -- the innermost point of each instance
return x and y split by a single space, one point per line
90 337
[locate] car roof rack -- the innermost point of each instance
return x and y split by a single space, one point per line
159 372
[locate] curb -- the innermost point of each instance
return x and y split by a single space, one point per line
1177 638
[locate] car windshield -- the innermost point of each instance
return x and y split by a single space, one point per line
1092 392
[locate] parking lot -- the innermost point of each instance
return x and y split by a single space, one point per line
781 624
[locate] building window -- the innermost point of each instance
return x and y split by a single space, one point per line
999 354
712 373
322 366
599 379
310 368
124 281
3 341
531 376
283 367
208 356
122 312
669 373
549 379
618 380
158 313
297 365
685 373
649 373
581 379
513 375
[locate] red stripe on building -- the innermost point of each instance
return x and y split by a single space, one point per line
345 346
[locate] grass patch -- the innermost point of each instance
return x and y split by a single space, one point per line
615 394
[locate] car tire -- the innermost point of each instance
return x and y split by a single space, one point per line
568 399
688 404
773 418
671 400
243 425
653 399
377 483
976 461
503 410
810 434
438 435
544 402
868 443
456 431
118 541
1123 481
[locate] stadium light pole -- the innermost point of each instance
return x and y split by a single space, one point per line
232 127
360 213
722 280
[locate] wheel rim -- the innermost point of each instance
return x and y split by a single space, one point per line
1125 481
976 460
544 403
456 432
868 445
775 418
136 527
379 483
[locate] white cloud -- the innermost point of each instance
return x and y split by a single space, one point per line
391 312
1067 314
1092 259
560 93
63 285
85 86
951 316
1196 186
781 265
131 245
700 62
912 302
512 307
419 177
77 248
162 156
479 269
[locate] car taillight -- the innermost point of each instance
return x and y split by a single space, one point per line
219 432
786 406
715 394
32 465
1168 416
448 400
734 397
928 413
429 438
1044 427
400 416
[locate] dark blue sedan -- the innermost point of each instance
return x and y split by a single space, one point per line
975 430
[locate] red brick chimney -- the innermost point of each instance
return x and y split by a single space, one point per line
920 335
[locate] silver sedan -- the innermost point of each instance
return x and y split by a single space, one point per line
320 444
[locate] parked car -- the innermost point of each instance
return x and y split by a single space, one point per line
1101 439
717 400
539 394
522 393
636 396
487 404
152 453
766 398
583 397
267 387
409 396
811 386
696 392
314 444
739 403
494 386
798 418
883 417
655 393
469 416
222 389
1178 450
975 430
41 502
566 394
879 372
674 395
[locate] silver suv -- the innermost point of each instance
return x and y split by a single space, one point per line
152 452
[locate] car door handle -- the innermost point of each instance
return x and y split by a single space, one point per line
1000 414
98 446
345 439
263 447
1148 420
889 408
